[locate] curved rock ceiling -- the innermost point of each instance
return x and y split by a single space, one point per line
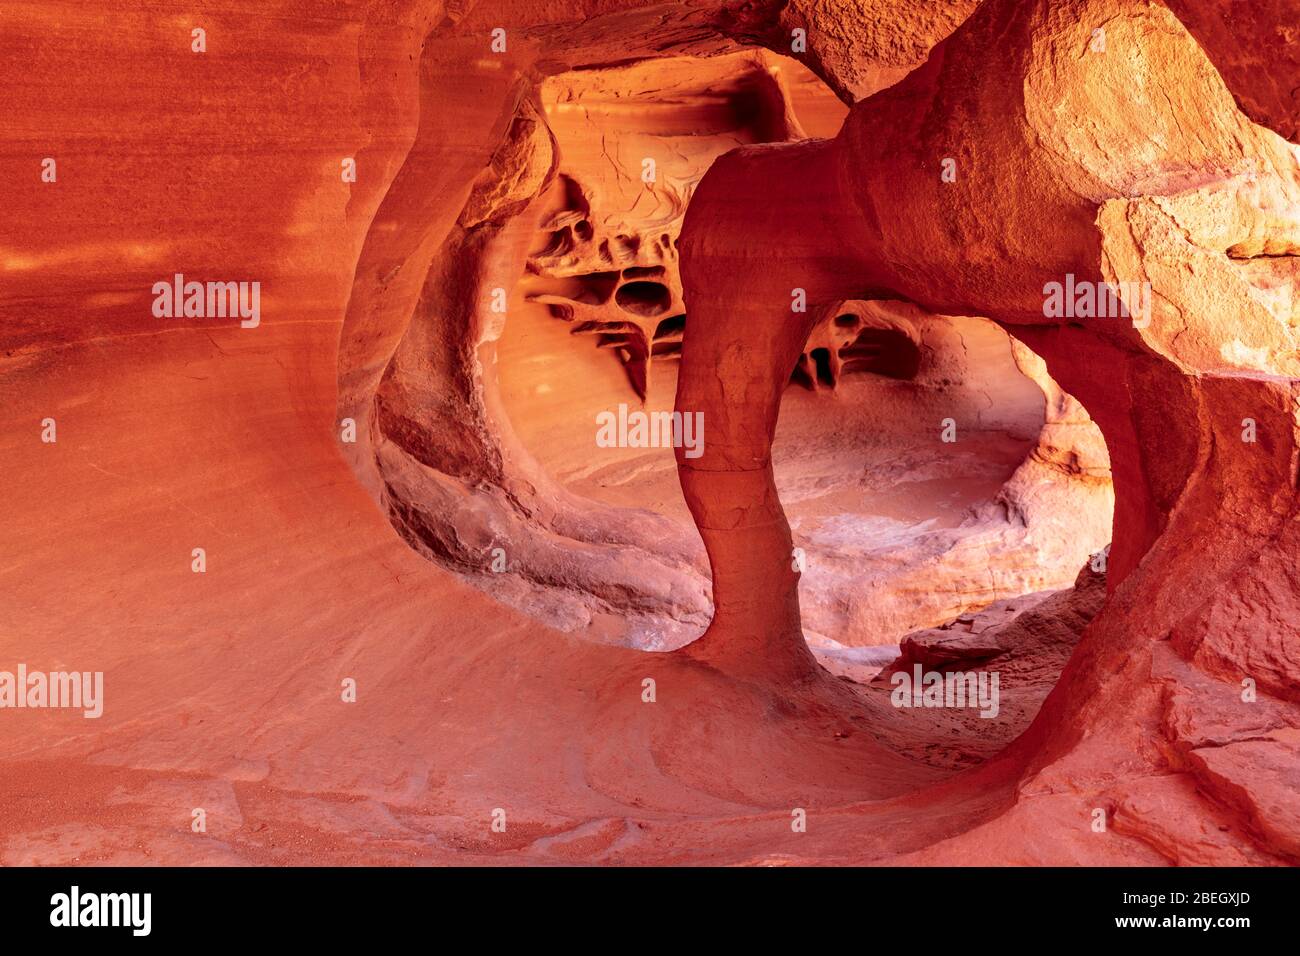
600 409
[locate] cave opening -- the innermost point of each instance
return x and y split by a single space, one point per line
898 531
939 486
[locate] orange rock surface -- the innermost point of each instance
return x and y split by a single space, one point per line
361 580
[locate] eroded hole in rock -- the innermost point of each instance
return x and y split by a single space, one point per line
898 529
668 337
645 299
930 469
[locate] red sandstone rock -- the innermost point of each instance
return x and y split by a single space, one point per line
1174 710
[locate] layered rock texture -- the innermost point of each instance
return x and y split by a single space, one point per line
945 301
